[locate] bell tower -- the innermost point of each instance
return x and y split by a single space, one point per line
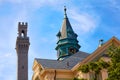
22 47
67 39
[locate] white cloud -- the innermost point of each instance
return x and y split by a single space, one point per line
83 22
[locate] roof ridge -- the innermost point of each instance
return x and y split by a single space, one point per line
45 59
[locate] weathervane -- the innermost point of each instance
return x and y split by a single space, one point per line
65 11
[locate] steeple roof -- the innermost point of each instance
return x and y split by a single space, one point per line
66 29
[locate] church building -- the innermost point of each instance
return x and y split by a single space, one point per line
70 58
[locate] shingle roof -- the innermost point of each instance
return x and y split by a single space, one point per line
67 63
66 26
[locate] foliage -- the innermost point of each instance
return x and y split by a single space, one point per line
114 69
94 66
113 66
103 64
84 68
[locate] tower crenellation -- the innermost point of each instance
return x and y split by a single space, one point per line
22 23
22 29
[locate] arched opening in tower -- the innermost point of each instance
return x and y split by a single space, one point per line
23 33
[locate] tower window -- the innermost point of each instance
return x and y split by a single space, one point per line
23 33
72 50
22 67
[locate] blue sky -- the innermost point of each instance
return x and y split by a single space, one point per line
92 20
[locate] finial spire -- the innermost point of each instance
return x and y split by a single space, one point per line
65 12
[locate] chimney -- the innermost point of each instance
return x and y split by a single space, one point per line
100 42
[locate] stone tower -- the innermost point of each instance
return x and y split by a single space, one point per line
67 40
22 47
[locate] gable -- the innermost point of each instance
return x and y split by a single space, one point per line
36 66
99 52
102 50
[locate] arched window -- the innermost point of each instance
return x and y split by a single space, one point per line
72 50
23 33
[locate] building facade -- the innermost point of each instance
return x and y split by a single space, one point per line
70 58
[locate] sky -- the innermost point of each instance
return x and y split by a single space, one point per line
92 20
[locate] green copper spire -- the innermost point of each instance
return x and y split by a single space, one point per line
67 39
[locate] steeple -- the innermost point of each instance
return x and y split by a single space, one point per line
67 39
